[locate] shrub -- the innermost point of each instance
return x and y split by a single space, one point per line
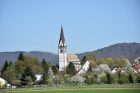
114 78
130 78
138 78
103 79
90 78
109 78
57 80
123 79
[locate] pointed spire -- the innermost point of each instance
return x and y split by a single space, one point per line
62 38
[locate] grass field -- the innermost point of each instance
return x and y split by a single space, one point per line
113 88
77 91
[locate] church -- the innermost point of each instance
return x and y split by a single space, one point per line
64 58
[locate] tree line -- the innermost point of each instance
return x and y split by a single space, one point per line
23 72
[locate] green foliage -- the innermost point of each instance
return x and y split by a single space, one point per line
112 63
65 77
20 66
10 63
123 79
30 81
21 56
104 79
84 59
28 72
44 78
71 69
130 78
10 74
109 78
121 62
29 66
57 80
5 66
90 78
138 77
45 65
90 57
50 79
114 78
31 62
55 70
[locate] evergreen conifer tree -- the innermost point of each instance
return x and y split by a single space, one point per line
130 78
44 78
5 66
45 65
21 56
55 70
71 69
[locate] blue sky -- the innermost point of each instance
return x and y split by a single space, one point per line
88 25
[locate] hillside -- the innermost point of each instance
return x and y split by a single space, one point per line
12 56
128 50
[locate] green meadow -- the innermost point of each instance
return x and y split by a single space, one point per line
76 91
103 88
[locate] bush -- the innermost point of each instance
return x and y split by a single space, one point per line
138 78
123 79
90 78
109 78
103 79
114 79
130 78
57 80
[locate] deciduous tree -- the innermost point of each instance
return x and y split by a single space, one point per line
10 74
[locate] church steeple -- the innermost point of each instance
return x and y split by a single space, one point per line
62 47
62 41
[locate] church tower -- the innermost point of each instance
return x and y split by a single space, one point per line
62 46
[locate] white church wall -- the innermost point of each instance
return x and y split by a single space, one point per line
84 68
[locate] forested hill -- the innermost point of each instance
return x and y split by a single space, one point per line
128 50
12 56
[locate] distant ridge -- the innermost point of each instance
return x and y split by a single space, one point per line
128 50
12 56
